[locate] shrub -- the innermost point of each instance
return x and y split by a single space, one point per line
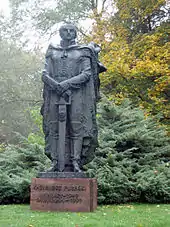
131 148
19 163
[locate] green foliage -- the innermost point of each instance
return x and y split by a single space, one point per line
63 10
131 163
18 164
20 90
36 137
140 16
44 16
153 184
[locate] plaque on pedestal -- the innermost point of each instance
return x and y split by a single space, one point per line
62 194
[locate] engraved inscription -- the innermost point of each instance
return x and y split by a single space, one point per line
59 193
73 188
40 187
59 198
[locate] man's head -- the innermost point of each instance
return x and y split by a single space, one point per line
68 32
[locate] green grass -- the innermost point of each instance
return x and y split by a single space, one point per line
135 215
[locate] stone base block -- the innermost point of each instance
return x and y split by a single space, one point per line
57 194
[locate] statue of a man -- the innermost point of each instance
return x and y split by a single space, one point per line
70 94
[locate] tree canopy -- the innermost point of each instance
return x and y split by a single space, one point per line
20 89
135 44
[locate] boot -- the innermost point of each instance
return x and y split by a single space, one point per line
76 166
54 167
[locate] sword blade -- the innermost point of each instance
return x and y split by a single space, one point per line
62 137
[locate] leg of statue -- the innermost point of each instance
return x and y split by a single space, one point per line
77 147
76 129
53 142
53 135
76 141
51 147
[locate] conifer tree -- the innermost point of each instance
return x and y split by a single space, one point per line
131 163
18 164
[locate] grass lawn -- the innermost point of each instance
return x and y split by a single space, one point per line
135 215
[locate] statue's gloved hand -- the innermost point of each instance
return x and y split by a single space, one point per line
59 89
65 85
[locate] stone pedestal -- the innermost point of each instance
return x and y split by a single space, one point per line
62 194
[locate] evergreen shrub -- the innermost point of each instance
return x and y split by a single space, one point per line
18 164
132 160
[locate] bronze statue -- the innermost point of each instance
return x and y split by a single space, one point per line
71 90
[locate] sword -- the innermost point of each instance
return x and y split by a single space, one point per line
62 113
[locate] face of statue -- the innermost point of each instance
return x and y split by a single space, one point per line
68 32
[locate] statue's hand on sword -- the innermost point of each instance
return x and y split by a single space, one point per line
62 89
59 89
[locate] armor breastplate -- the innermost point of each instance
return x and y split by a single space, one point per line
65 63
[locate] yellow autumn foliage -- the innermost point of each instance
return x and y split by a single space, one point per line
138 64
